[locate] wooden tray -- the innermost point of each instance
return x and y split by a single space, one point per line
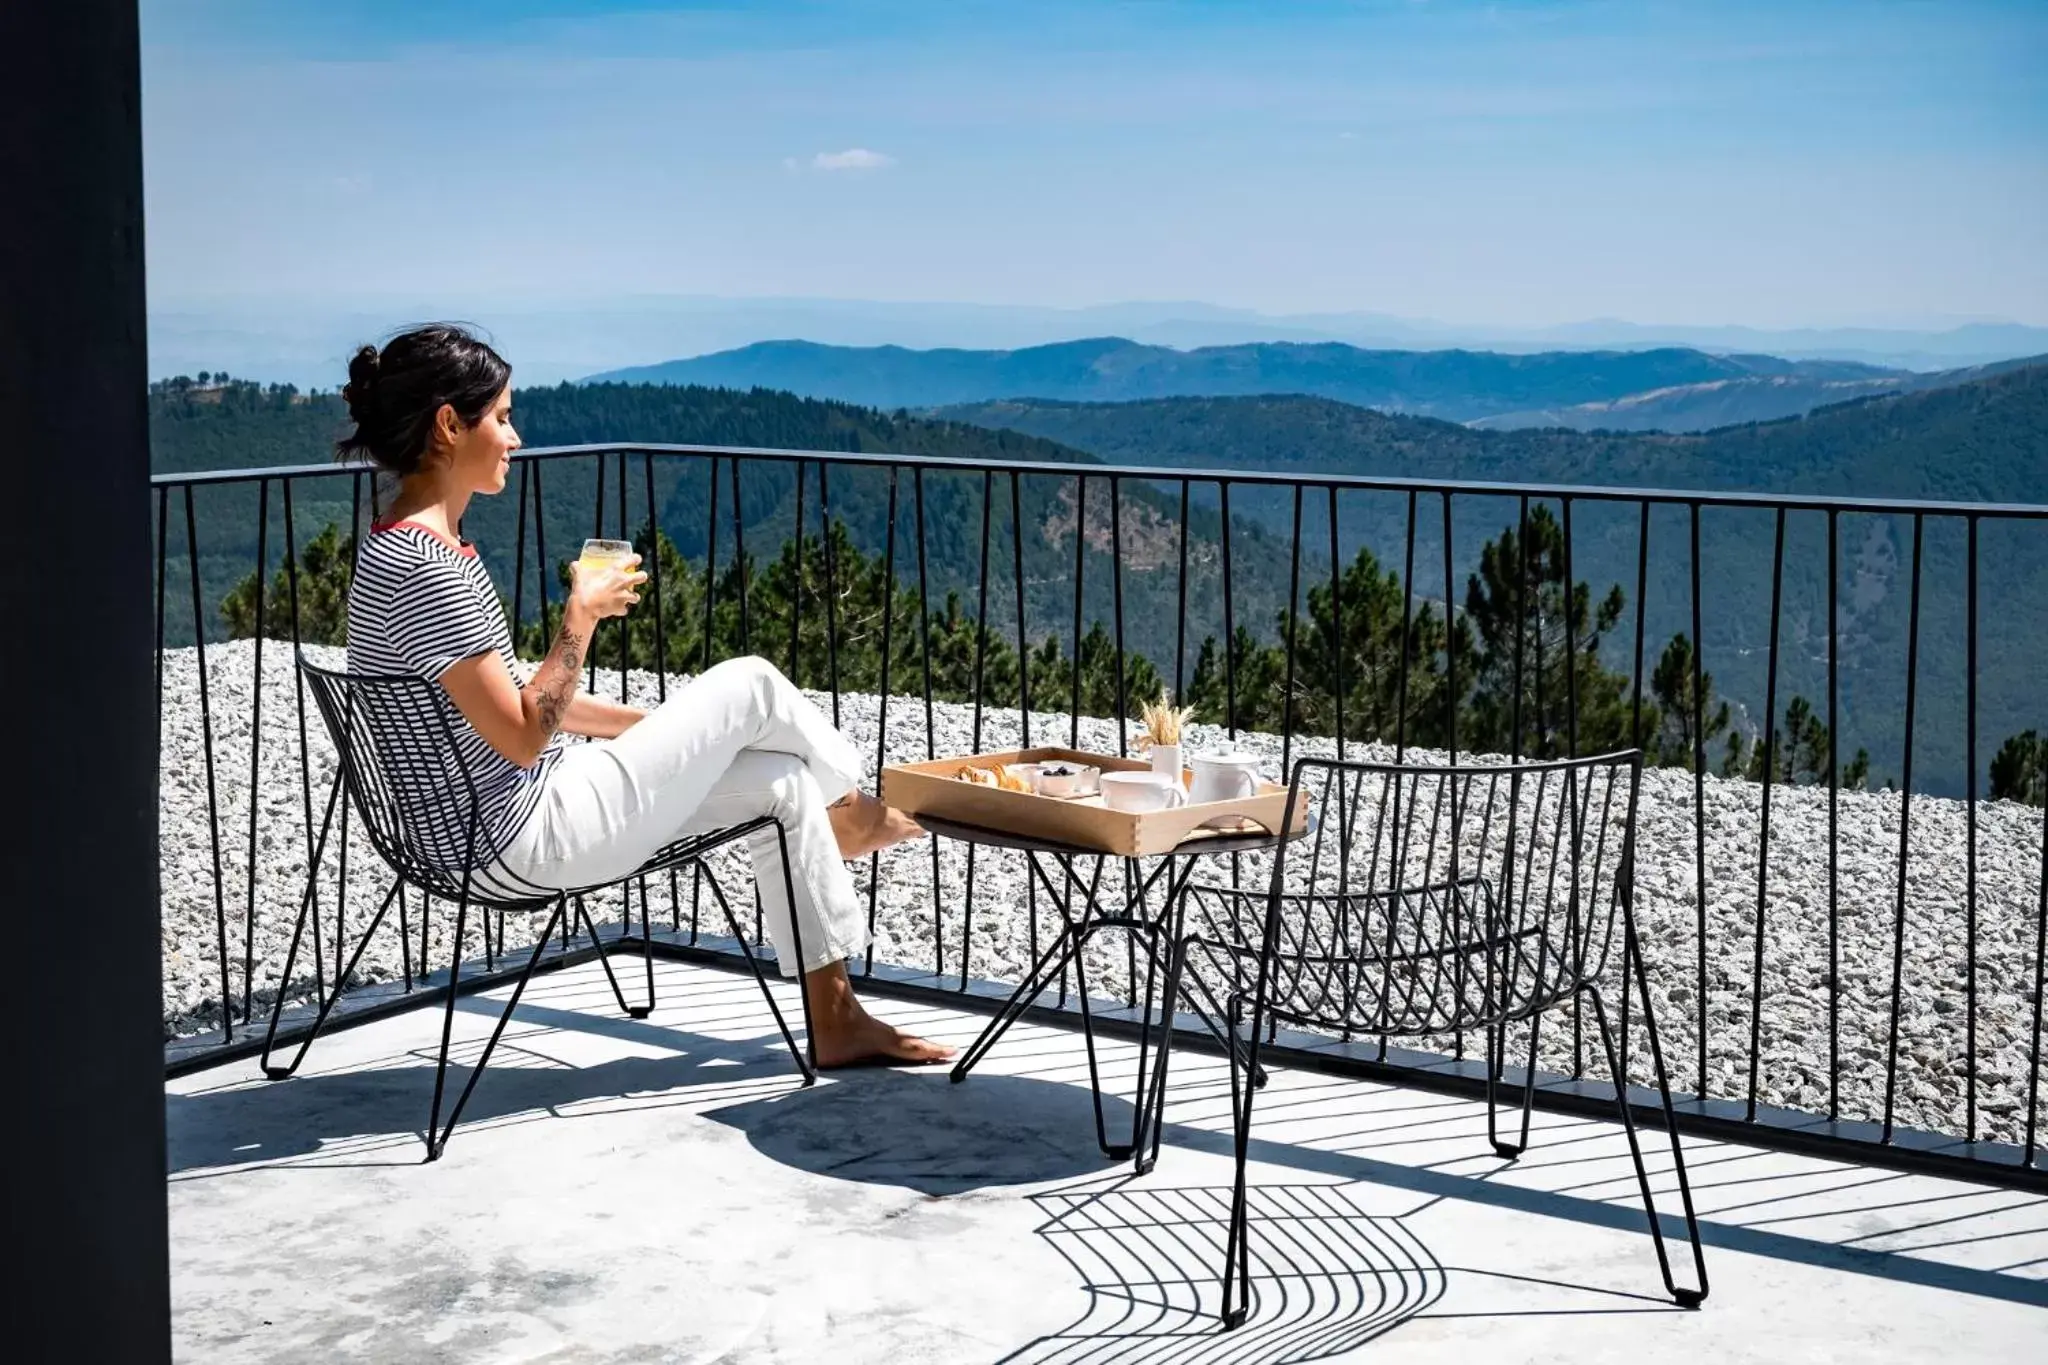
933 788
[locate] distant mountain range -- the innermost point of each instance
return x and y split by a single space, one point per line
1464 386
1729 402
1974 343
1981 440
307 341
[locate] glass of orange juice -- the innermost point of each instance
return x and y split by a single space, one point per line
604 554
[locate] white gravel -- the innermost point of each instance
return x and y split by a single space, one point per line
1794 1027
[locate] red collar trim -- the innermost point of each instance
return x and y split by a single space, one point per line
462 547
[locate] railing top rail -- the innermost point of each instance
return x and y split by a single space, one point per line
1176 474
1479 769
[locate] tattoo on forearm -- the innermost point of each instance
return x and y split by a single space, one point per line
558 680
569 649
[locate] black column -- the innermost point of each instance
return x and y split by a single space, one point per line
88 1271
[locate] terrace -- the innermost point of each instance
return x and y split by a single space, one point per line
665 1190
1848 983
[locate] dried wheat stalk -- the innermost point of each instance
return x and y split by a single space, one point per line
1163 720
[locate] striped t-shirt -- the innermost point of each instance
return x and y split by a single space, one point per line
419 605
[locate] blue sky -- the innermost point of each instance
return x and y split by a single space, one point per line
1774 165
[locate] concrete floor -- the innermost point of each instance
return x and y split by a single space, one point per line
662 1190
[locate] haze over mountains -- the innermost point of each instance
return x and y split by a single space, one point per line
1729 402
1672 389
307 340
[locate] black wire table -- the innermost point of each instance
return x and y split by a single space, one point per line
1084 913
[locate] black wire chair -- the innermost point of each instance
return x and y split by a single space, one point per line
405 776
1433 900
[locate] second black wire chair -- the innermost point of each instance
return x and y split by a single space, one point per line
1430 901
403 772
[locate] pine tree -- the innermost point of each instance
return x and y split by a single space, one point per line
842 606
1670 741
1519 600
2019 771
324 565
1207 687
1364 654
1802 752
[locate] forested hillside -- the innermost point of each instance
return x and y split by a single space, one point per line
242 426
1984 441
1981 440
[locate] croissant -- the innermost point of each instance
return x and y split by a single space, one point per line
992 776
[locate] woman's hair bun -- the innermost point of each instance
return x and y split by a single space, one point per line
362 377
393 395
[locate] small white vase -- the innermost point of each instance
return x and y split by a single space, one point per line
1166 759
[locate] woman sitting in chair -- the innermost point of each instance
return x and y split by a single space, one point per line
434 409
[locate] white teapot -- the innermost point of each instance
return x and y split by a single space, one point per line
1226 775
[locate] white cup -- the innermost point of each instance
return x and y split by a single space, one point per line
1166 759
1138 793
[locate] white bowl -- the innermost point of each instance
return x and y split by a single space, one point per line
1080 779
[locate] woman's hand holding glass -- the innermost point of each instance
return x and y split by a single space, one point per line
606 578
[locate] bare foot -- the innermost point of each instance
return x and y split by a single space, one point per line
868 1038
863 825
845 1034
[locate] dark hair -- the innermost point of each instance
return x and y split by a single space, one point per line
393 395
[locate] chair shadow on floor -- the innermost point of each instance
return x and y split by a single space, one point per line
371 1115
911 1129
1327 1277
364 1111
900 1127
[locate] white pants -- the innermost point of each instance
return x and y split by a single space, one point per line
737 742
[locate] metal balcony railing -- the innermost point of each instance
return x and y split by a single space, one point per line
1856 972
